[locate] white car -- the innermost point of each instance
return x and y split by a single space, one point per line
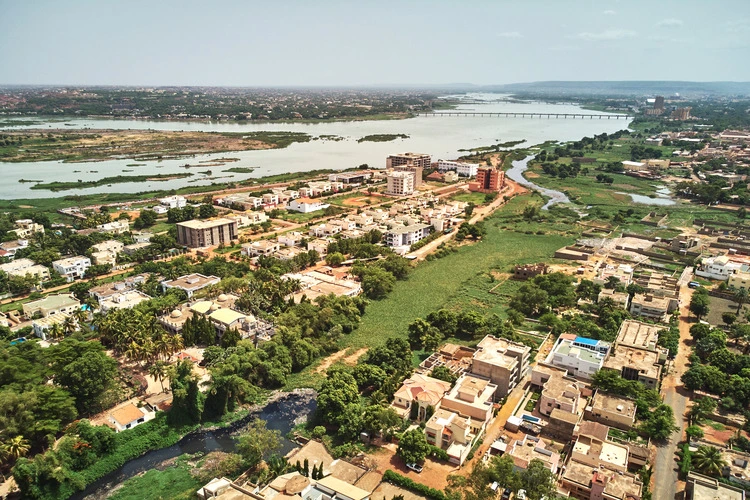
415 467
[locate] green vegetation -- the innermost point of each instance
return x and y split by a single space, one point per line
241 170
495 147
413 486
382 137
174 482
63 186
276 139
469 197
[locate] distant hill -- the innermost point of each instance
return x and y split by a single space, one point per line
625 88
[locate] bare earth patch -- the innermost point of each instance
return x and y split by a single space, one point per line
339 356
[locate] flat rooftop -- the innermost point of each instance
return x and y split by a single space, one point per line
614 404
618 484
602 450
193 281
567 348
646 362
636 334
55 301
500 352
206 224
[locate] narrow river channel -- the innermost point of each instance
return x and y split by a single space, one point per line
281 414
516 173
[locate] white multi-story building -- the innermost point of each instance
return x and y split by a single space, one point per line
173 202
114 227
306 205
26 227
72 268
718 268
25 267
400 183
462 169
580 356
406 235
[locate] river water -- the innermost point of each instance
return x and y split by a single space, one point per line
442 137
281 415
516 173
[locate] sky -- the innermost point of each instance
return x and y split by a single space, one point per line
253 43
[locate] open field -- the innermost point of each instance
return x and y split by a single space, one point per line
468 197
173 482
85 145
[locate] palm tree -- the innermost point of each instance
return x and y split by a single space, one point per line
709 460
17 447
159 371
80 316
55 332
740 296
69 325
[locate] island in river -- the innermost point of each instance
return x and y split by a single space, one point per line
96 145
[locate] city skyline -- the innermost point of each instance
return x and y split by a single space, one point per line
333 43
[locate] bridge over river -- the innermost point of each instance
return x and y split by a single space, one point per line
601 116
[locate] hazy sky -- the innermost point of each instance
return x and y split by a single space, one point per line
361 42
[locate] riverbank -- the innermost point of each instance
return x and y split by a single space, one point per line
83 145
281 410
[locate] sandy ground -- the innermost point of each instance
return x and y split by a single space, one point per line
434 474
340 356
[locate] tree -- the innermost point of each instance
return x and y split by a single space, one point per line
413 446
694 432
728 318
699 305
612 282
205 211
335 259
257 442
16 447
588 290
377 282
443 373
740 297
339 390
660 424
708 460
538 481
422 334
702 407
469 209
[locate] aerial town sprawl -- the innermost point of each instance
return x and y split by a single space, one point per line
563 319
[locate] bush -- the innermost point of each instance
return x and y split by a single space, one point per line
413 486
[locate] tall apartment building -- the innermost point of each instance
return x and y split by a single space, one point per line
502 361
659 102
416 170
400 183
416 159
489 180
206 233
681 113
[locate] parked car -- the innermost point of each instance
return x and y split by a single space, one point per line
506 494
694 284
415 467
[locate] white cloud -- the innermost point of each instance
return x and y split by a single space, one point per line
510 34
609 12
669 23
605 35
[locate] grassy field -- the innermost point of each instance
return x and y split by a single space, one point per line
174 482
442 282
468 197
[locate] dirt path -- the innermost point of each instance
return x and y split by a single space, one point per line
340 356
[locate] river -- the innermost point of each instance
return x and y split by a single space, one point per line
516 173
441 137
282 415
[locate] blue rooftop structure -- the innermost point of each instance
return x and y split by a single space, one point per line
586 341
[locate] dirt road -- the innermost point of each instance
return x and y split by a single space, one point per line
665 483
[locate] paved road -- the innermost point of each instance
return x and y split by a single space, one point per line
665 484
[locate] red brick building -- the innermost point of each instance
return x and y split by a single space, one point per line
489 180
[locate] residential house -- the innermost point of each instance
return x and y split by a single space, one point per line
406 235
471 396
190 283
72 268
42 326
260 247
453 433
114 227
718 268
740 281
173 202
132 249
9 248
558 390
25 228
291 239
107 290
579 356
306 205
531 448
422 392
106 252
586 482
611 410
502 361
633 363
141 236
314 284
50 305
124 300
25 267
700 487
129 416
620 299
650 306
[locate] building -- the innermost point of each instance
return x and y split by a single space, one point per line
106 252
129 416
681 113
314 284
50 305
471 396
173 202
527 271
42 326
417 159
659 102
107 290
72 268
190 283
700 487
650 306
591 447
206 233
306 205
635 364
421 392
718 268
620 299
637 334
614 411
9 248
417 171
406 235
123 300
453 433
25 267
462 169
25 228
501 361
400 183
359 177
135 247
260 247
739 280
489 180
141 236
586 482
558 390
114 227
580 356
531 448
